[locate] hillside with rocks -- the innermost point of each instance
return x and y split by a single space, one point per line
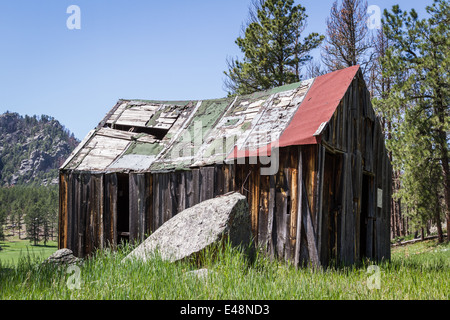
32 148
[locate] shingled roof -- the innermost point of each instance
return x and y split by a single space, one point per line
146 135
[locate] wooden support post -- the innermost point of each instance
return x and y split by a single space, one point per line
270 218
134 203
293 170
156 203
195 187
62 214
319 196
309 230
149 225
254 204
299 208
263 215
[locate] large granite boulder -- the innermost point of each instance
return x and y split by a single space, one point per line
196 228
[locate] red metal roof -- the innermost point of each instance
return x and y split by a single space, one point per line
318 106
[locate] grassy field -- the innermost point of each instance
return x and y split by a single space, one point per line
13 250
418 271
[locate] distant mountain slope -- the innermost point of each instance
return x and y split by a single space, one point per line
32 149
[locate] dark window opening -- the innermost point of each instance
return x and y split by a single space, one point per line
158 133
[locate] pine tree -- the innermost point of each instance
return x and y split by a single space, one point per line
35 219
417 102
272 46
2 221
379 86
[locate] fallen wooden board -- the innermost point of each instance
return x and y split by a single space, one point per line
416 240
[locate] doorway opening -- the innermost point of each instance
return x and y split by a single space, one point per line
123 208
331 206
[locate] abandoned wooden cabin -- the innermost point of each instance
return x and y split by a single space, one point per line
310 158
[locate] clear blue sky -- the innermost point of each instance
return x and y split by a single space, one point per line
143 49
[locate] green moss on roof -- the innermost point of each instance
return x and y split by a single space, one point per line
269 92
147 149
246 126
231 122
207 115
177 166
153 120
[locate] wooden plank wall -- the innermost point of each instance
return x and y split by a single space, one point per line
89 203
88 209
81 213
274 203
171 192
354 134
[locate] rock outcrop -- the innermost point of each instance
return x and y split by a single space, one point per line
63 257
32 149
196 228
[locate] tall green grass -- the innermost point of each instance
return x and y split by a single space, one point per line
415 272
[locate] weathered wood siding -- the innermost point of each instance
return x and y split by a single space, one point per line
273 200
88 202
354 134
82 212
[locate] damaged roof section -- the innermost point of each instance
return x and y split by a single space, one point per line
148 135
273 116
130 137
